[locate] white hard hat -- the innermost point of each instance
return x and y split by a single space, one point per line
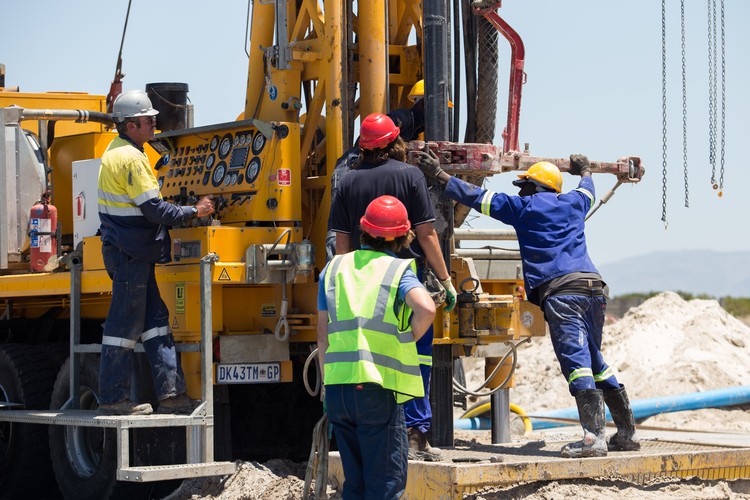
131 104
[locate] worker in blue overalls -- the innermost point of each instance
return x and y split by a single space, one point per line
562 280
134 220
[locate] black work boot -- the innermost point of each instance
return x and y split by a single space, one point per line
591 414
420 449
622 414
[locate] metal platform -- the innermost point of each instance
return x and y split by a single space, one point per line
467 469
88 418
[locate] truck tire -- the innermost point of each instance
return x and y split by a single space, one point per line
25 468
84 458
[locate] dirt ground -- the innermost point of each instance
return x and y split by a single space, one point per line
666 346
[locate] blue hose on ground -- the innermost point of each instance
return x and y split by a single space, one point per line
642 408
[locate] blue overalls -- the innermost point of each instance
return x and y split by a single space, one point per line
550 229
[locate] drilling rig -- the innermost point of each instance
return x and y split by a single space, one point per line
241 286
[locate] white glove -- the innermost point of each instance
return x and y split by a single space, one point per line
450 294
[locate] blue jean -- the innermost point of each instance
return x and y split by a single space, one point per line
417 411
137 312
371 436
575 326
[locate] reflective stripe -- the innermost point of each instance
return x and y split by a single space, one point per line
118 342
122 211
581 372
159 331
424 359
586 192
604 375
377 359
333 269
118 198
374 325
144 197
487 202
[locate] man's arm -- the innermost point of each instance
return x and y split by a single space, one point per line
428 240
322 340
423 312
343 243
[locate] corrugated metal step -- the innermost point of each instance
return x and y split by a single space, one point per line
180 471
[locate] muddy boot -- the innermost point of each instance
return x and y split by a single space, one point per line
591 414
622 414
420 449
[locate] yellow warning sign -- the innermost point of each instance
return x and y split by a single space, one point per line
175 324
179 298
224 276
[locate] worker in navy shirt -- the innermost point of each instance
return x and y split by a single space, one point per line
562 280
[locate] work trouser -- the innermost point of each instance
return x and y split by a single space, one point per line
369 428
417 411
137 312
575 326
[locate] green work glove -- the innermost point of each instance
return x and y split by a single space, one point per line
450 294
429 164
579 164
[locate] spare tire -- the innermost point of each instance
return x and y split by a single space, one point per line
26 377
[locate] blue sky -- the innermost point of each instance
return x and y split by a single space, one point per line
594 87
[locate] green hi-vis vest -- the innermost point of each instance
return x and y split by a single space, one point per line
367 341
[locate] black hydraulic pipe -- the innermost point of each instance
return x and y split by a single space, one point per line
469 22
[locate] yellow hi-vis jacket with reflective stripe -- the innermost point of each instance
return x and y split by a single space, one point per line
367 341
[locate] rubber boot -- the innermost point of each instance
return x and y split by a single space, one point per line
622 414
420 449
591 414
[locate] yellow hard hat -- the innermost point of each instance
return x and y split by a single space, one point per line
417 92
546 174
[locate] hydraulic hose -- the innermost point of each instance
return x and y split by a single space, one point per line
312 357
457 385
483 407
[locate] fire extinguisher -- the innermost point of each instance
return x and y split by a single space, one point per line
43 233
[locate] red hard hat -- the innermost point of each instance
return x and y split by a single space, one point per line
377 131
385 217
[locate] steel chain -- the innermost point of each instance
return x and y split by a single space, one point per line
664 111
711 93
723 100
684 104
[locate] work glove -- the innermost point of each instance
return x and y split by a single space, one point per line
450 294
429 164
579 164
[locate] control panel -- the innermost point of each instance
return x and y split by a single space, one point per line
253 176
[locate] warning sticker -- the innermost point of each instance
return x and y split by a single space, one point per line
268 310
175 324
224 276
284 177
179 298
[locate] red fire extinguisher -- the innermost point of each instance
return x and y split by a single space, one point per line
43 233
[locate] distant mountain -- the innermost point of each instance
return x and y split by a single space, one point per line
718 274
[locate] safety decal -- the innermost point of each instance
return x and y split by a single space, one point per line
224 276
284 177
527 319
175 324
179 298
273 92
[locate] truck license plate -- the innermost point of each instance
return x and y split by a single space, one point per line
247 373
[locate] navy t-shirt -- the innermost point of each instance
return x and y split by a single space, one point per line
359 187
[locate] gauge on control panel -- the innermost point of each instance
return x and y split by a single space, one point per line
237 140
258 142
225 146
165 159
248 138
219 172
210 161
252 170
214 142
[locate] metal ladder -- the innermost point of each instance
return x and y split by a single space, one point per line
199 426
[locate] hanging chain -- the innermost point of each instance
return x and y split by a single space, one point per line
711 94
723 101
664 112
684 104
